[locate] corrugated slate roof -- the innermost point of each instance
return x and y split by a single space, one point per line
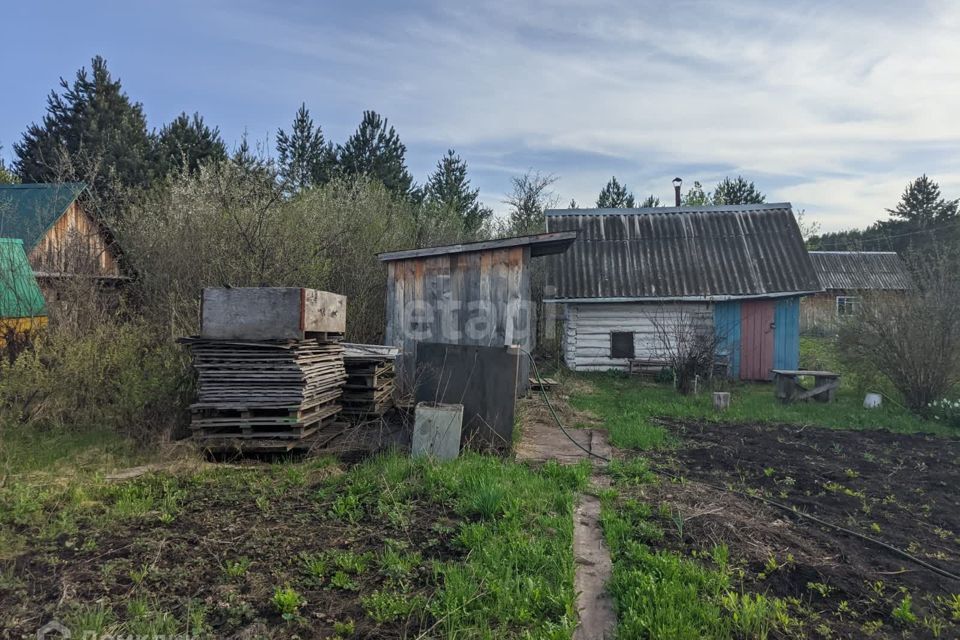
20 295
865 270
28 210
738 251
540 244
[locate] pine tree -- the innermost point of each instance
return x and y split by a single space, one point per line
186 143
922 204
91 131
253 162
375 150
448 188
738 191
650 201
304 158
615 196
696 196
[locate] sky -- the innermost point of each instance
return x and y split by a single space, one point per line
831 106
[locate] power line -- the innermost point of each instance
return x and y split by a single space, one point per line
884 237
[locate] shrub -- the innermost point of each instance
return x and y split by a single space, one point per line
946 411
119 375
913 340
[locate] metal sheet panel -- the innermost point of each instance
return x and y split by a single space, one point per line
861 270
740 251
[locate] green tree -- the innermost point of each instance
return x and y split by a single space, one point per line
186 144
449 189
922 204
375 150
615 196
529 198
304 157
737 191
6 175
650 201
91 131
696 196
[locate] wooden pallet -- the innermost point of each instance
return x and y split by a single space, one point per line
316 439
271 390
369 386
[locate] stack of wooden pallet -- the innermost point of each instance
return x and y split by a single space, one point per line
269 368
368 392
265 390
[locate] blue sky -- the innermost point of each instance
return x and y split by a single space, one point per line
833 108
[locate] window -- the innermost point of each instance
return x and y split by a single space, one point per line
621 344
846 306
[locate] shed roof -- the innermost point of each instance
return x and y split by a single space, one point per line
28 210
863 270
20 295
540 244
680 253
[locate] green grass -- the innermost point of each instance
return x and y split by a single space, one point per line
510 525
661 594
25 449
626 406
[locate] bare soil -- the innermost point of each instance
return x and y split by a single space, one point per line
900 489
186 559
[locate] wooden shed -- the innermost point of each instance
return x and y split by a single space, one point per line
475 293
847 276
637 281
63 240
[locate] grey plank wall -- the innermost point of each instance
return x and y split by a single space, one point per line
479 298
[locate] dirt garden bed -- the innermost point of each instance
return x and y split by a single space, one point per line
216 566
901 489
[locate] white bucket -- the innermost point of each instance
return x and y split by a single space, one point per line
872 401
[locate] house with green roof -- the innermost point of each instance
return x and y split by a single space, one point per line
61 238
22 307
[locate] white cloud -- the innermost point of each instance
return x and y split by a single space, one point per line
834 106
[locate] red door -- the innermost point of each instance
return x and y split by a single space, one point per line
756 339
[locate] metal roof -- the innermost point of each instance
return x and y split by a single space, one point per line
28 210
865 270
541 244
20 295
680 253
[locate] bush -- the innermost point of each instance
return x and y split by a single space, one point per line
946 411
124 376
226 226
913 339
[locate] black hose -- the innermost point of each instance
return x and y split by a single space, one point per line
772 503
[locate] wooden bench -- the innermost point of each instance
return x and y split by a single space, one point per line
789 389
647 366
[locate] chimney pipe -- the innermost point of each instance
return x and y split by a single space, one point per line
676 189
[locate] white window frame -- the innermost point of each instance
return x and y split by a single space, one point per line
849 304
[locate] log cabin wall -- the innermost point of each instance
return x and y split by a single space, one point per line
472 298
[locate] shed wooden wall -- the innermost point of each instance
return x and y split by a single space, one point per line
587 329
479 298
74 244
